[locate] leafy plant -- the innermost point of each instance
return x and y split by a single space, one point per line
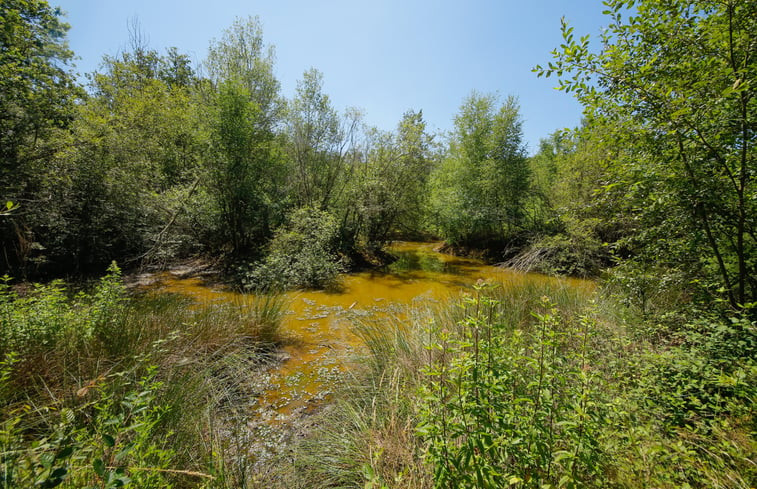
108 442
506 405
302 254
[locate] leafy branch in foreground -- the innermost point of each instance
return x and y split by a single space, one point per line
676 79
506 405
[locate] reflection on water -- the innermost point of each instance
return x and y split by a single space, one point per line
319 322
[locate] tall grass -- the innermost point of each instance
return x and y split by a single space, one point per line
539 385
369 438
102 389
368 433
524 385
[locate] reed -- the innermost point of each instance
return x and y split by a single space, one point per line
534 385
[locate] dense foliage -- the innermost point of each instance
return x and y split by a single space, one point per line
542 385
302 254
102 389
37 96
480 187
650 385
673 86
157 163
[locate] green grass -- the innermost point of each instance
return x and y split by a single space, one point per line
103 389
539 385
524 385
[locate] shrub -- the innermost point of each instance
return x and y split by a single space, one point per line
101 389
110 441
683 410
302 254
45 319
577 252
505 405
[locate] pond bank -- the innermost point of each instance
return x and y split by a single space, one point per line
320 342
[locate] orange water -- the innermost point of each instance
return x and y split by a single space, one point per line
319 323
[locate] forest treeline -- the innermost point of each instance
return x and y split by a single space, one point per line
151 162
156 159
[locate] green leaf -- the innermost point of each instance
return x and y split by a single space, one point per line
99 466
124 452
65 452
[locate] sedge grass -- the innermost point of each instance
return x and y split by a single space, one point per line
600 403
191 369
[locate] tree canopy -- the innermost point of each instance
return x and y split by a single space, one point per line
676 80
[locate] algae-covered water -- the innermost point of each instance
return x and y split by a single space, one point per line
319 324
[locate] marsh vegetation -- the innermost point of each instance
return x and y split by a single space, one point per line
645 378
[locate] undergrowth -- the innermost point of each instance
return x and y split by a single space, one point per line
540 385
103 389
520 385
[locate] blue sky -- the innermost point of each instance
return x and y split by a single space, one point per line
383 56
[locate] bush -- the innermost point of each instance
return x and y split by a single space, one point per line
683 411
45 320
505 405
302 254
110 441
577 252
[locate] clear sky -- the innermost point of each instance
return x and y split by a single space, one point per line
382 56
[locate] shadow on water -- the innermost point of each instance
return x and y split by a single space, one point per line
422 263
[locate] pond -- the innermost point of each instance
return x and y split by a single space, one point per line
319 324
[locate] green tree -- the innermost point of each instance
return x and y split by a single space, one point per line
569 172
544 165
176 69
134 148
320 144
676 79
37 88
244 163
390 190
480 188
244 170
415 146
37 97
242 55
576 215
